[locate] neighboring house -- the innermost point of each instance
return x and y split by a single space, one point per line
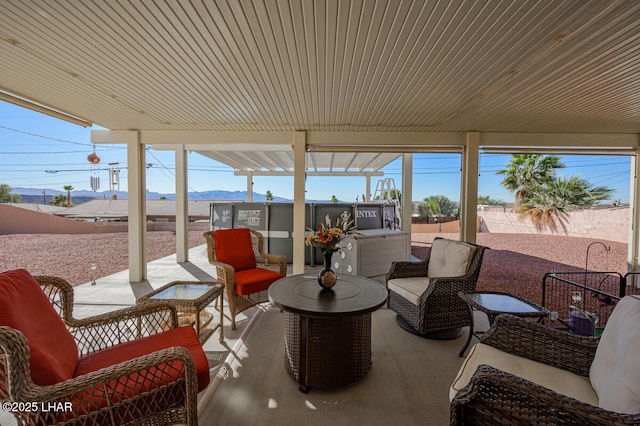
42 208
117 210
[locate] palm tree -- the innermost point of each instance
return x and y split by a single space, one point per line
334 199
525 171
543 197
68 188
438 205
269 196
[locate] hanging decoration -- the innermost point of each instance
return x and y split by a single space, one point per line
93 158
94 179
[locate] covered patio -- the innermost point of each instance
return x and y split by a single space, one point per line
294 87
302 87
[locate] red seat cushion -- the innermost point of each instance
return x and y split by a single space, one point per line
25 307
181 336
233 247
254 280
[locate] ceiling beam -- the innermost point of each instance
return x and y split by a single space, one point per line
308 173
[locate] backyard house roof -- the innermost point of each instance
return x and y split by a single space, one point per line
119 208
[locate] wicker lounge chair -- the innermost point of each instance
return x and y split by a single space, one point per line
113 369
243 266
425 294
525 373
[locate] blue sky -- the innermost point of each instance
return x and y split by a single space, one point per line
32 144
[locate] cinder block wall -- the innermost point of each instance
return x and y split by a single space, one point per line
606 224
15 220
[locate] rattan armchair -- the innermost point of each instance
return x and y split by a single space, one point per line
436 311
238 300
157 388
494 396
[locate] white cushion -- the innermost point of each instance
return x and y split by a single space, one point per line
410 288
615 371
560 381
449 258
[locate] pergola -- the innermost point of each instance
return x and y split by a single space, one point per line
303 86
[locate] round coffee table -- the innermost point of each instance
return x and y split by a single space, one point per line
327 332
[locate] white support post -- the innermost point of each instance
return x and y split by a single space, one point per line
469 188
249 187
633 248
182 205
407 190
367 194
137 206
299 161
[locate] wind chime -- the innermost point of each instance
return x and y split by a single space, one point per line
94 160
95 185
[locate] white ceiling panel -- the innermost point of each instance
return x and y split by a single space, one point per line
566 66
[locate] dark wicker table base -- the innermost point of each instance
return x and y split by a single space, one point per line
448 334
327 352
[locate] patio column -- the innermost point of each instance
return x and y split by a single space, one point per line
367 194
137 205
406 197
299 167
469 188
633 250
182 205
250 187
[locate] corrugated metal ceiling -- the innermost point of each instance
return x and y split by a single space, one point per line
347 65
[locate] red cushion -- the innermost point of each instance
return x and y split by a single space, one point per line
233 247
25 307
254 280
181 336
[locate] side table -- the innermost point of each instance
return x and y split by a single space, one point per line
190 299
494 303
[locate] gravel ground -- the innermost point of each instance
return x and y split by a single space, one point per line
516 263
70 255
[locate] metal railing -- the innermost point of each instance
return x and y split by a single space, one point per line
581 301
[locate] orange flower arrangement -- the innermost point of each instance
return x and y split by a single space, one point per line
328 237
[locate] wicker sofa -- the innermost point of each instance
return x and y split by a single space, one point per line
425 294
525 373
119 368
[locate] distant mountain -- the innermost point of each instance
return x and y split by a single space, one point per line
44 196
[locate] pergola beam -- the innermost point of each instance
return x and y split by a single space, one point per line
299 143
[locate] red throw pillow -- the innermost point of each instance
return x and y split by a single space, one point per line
233 247
25 307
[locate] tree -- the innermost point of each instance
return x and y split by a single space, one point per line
269 196
438 205
543 197
486 200
548 206
59 200
334 199
525 171
6 196
393 194
68 188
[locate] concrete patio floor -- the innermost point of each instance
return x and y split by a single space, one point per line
115 292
